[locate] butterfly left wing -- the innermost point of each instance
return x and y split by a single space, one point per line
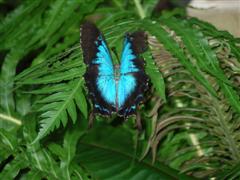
133 80
99 75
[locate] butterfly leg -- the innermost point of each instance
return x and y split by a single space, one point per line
91 119
138 121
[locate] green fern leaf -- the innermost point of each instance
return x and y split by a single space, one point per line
163 37
206 58
155 76
13 168
57 106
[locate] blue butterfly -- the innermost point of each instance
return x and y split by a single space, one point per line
112 88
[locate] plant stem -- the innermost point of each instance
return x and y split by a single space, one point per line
140 9
11 119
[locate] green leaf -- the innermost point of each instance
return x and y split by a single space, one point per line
42 162
106 159
34 174
156 30
56 77
8 140
12 169
69 147
45 72
209 30
7 79
206 58
7 26
155 76
57 105
231 95
233 173
197 45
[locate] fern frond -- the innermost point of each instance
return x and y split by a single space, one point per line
205 57
13 168
59 105
155 75
206 120
69 68
7 26
156 30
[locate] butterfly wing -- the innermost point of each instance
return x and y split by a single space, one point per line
133 80
99 74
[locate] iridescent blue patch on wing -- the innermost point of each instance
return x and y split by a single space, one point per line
103 59
127 64
101 108
127 82
105 80
107 88
126 86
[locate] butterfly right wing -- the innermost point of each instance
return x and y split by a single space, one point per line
99 75
133 80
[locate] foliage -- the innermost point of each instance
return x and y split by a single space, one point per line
190 115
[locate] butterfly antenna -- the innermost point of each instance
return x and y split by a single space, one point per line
116 54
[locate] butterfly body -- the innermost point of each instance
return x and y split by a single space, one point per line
113 88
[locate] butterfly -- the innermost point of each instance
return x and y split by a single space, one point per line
113 88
